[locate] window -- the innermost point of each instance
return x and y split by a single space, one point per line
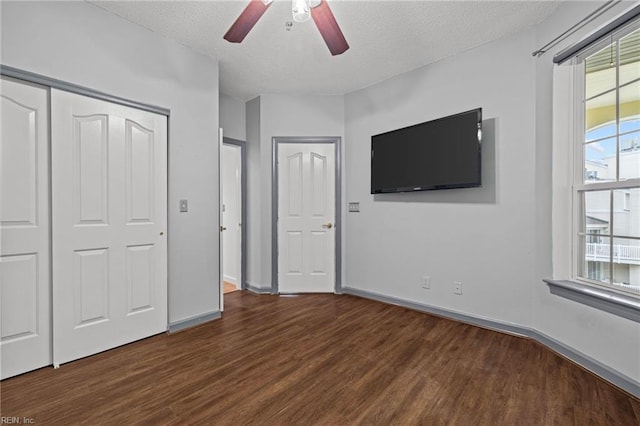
606 179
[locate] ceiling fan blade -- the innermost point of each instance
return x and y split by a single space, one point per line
329 29
245 22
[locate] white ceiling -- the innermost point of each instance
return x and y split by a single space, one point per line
386 38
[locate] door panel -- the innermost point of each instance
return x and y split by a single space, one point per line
140 278
319 183
90 169
19 296
231 175
306 217
109 220
25 318
140 184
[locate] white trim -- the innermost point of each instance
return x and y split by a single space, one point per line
220 260
230 279
600 186
576 146
562 169
603 298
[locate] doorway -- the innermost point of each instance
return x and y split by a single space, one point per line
233 220
306 217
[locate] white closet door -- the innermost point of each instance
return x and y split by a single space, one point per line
109 182
25 312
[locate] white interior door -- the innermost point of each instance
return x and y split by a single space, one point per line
109 183
306 217
25 316
232 213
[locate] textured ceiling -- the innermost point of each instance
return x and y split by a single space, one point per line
386 38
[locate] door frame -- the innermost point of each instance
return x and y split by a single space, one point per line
243 209
337 143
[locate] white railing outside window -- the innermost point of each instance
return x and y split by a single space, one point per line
625 254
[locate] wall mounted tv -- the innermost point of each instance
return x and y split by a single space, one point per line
438 154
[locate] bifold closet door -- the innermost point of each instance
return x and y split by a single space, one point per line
109 186
25 311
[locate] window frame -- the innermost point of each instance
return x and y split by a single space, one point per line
578 187
568 184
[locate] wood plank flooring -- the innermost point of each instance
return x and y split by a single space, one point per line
227 287
321 360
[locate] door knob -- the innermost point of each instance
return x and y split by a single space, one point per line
328 225
161 233
222 228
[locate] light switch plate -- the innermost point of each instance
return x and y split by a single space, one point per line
184 206
354 206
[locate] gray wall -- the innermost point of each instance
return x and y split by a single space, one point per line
279 115
233 117
83 44
496 240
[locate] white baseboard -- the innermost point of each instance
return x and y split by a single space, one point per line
230 280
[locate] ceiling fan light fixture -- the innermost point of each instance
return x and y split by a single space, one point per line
301 10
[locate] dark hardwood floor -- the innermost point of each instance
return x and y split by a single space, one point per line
325 360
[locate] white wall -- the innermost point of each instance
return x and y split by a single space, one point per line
481 237
496 240
279 115
233 113
85 45
253 207
609 339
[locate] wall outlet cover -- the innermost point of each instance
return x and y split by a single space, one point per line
426 282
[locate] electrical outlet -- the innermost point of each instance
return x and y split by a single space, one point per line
426 282
457 287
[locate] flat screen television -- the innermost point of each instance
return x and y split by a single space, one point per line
438 154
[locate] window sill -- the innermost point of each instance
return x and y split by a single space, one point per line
603 299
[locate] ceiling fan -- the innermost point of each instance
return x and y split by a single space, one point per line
302 10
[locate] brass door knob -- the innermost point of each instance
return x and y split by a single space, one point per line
328 225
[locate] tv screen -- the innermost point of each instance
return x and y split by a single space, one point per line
438 154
